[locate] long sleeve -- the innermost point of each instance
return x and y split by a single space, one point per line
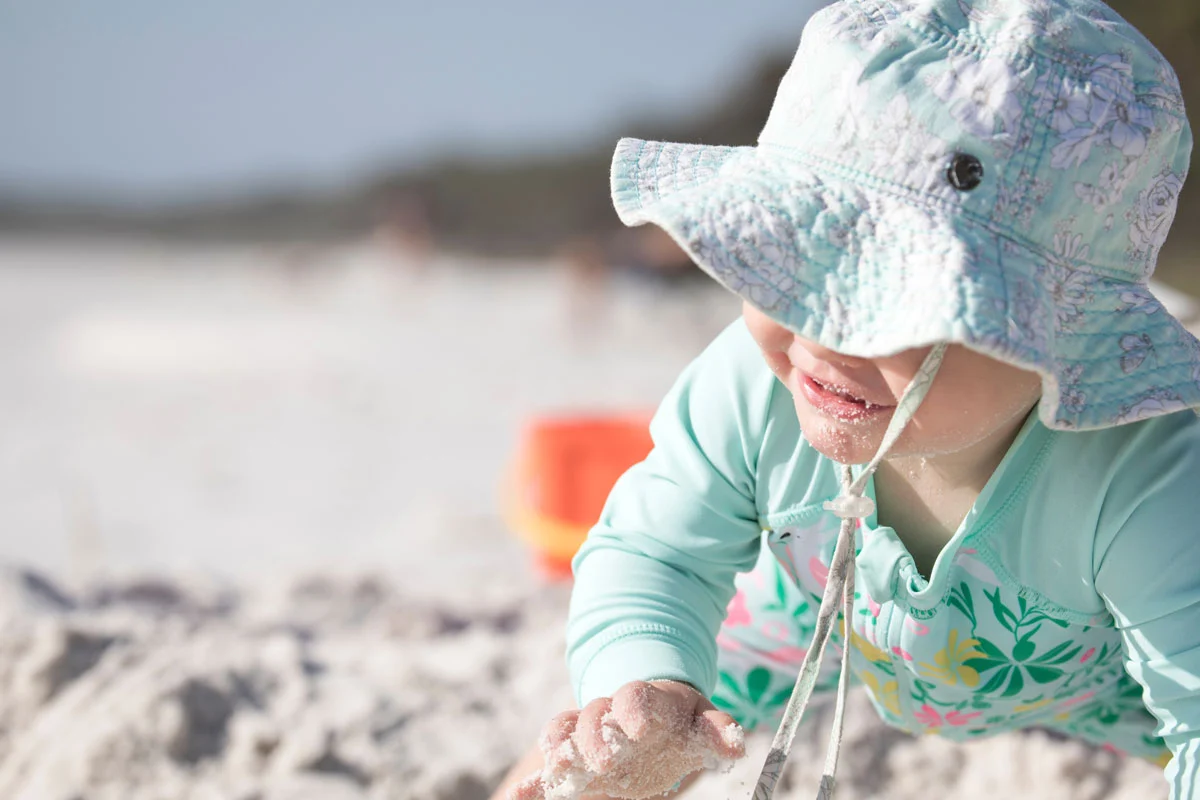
1148 573
655 575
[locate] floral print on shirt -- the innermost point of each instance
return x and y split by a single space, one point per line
987 659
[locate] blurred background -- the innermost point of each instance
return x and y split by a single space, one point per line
284 266
282 279
287 287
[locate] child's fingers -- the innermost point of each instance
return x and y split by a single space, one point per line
558 730
642 707
631 706
723 733
529 789
556 743
589 736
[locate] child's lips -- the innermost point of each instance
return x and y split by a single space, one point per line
839 403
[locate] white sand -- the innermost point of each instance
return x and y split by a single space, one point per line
227 420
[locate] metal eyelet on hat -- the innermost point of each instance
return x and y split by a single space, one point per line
965 172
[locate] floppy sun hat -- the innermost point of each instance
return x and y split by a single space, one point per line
996 173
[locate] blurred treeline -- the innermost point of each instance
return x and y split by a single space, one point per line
513 206
532 206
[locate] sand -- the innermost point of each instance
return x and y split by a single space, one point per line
248 510
348 688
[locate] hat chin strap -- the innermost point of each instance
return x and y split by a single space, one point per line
851 507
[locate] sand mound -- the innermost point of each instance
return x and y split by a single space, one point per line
338 688
323 689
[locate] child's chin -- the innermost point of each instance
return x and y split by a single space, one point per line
841 453
843 442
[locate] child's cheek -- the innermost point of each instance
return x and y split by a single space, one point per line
779 364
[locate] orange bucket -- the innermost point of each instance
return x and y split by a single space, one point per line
563 473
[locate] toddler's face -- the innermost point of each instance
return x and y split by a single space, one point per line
844 403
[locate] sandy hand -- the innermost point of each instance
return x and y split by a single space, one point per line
637 744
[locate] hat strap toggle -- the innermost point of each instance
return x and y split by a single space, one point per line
851 507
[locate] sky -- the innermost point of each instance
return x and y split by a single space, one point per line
130 100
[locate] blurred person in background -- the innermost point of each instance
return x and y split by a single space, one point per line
647 256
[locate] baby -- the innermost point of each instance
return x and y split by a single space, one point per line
943 242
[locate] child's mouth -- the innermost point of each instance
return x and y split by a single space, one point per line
839 403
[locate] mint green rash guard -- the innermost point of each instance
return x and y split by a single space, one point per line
1077 568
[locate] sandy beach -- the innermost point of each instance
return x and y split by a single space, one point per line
251 540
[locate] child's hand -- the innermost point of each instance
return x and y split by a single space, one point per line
637 744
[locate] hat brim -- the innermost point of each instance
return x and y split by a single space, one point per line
869 269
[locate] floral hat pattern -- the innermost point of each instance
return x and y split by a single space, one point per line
997 173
